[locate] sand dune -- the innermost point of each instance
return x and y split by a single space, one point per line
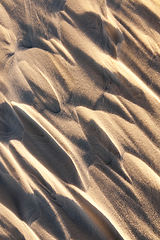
79 119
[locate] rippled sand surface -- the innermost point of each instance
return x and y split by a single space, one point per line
79 119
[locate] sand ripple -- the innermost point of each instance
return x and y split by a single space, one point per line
79 119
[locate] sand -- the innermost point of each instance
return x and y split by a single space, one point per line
79 119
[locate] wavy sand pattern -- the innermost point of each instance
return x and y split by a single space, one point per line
79 119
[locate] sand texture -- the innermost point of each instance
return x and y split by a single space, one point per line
79 120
